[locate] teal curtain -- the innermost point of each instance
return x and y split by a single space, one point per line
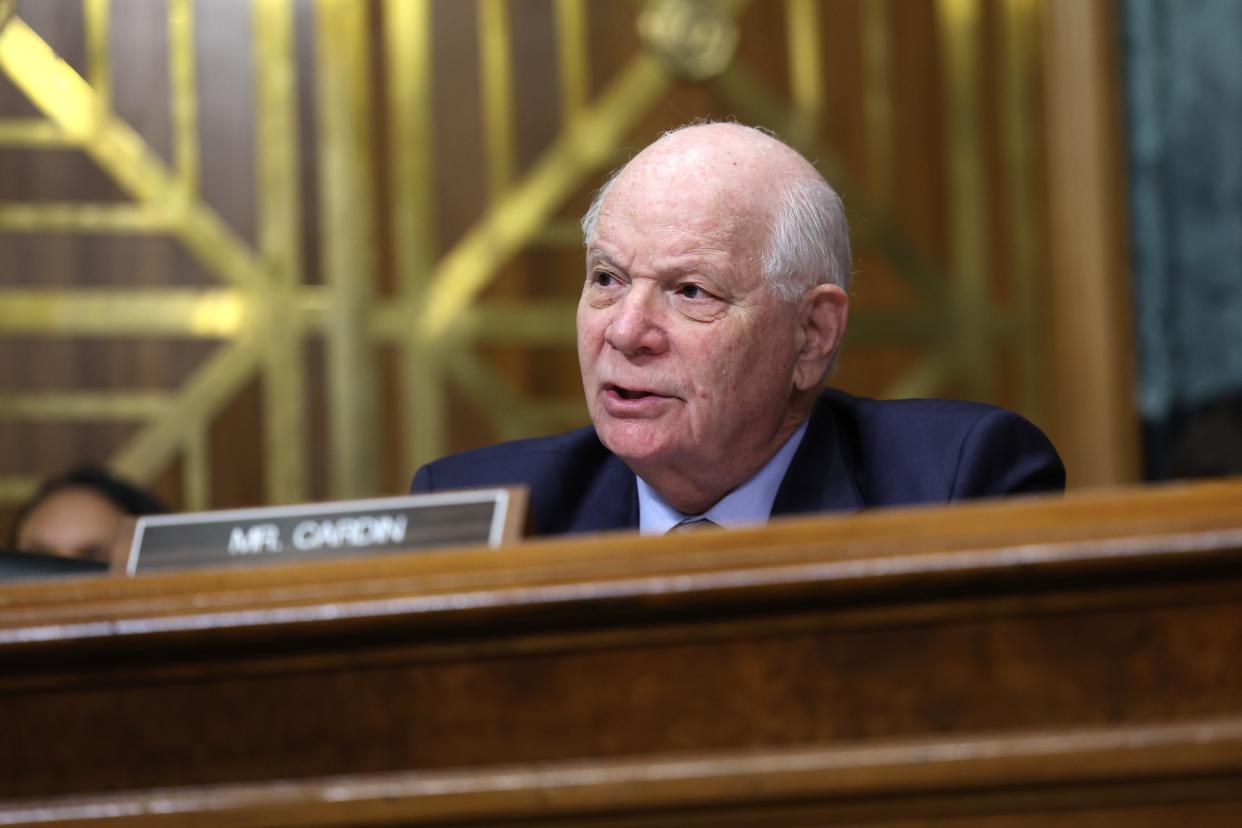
1183 89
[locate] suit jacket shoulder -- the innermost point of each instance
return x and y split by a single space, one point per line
576 485
856 453
862 452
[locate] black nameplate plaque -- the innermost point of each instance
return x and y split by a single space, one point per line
320 531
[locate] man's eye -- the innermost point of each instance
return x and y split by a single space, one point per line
603 278
693 292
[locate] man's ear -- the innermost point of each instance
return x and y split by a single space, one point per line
825 309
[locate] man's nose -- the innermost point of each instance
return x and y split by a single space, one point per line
635 327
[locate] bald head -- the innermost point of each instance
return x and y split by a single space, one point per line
712 308
753 182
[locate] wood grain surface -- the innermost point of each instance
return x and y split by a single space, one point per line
1000 663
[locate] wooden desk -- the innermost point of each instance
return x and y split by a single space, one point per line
998 664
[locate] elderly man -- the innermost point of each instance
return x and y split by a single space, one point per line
718 264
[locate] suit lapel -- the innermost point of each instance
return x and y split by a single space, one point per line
610 502
820 478
821 475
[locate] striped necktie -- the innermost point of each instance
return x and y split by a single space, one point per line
694 525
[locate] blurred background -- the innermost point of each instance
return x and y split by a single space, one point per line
269 251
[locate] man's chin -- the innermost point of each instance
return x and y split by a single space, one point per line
635 441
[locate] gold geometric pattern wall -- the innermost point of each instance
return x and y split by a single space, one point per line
437 315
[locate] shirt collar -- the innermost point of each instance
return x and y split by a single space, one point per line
749 504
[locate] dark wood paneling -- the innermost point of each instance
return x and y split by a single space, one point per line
974 664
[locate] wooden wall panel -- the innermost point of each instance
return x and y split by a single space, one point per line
480 130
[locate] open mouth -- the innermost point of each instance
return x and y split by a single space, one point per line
629 393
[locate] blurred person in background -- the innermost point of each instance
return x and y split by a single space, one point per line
1210 444
80 514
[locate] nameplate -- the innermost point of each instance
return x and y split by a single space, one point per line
321 531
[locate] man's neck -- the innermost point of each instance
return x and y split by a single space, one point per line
693 486
748 504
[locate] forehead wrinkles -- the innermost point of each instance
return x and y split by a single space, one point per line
676 205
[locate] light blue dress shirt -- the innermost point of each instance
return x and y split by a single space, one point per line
750 504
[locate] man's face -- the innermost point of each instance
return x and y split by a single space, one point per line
687 355
74 522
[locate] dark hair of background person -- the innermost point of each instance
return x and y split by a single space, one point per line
127 497
1210 443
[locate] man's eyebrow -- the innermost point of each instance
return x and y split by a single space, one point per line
699 267
694 267
595 256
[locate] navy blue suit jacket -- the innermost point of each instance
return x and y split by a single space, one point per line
856 453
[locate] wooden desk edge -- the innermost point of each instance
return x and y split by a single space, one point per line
1131 533
1145 756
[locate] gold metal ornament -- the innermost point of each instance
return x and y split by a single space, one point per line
694 39
261 308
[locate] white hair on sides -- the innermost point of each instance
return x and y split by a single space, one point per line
591 217
808 241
